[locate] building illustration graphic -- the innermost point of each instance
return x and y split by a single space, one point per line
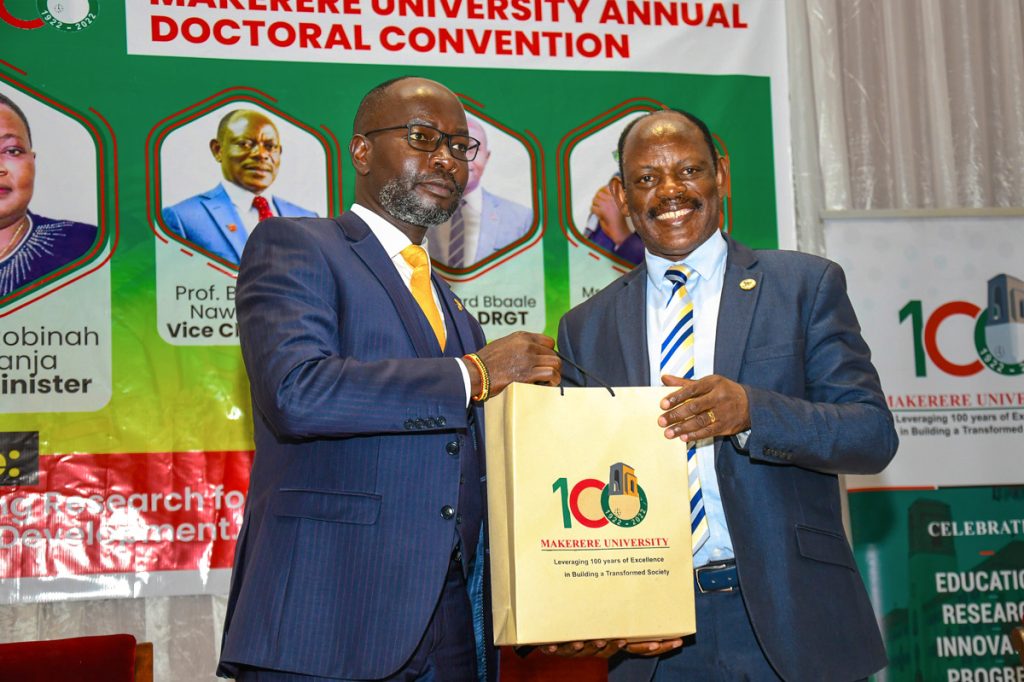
1004 326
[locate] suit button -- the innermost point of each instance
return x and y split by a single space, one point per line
409 425
430 423
458 519
453 448
419 423
441 421
457 555
447 512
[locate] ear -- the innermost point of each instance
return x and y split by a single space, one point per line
215 149
723 180
360 150
619 194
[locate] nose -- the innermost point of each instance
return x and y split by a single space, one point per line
670 187
442 158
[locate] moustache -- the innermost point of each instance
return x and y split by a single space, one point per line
442 176
675 204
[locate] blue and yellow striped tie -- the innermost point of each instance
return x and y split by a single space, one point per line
677 360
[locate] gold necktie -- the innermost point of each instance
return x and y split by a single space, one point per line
416 257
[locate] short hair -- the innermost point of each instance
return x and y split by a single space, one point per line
225 121
373 102
6 101
701 125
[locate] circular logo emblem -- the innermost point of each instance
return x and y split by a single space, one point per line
615 518
985 353
69 15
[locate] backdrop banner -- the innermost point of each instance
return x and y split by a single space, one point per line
125 421
939 534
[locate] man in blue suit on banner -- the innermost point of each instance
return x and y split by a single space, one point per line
368 375
219 221
774 396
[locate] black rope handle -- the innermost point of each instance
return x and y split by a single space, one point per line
582 371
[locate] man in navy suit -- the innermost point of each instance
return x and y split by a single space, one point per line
784 399
484 223
219 220
366 498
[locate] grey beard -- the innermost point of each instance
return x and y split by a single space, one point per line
397 198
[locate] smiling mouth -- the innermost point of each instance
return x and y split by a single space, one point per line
673 215
670 213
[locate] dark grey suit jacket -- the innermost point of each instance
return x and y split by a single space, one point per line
816 410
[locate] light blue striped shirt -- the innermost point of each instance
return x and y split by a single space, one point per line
705 288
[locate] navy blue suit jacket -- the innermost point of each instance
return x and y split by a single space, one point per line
816 410
205 220
359 428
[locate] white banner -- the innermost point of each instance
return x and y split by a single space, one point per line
941 303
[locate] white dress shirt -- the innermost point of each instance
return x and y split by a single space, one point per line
394 241
242 199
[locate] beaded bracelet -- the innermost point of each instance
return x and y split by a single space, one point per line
485 378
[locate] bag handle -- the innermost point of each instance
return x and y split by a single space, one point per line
587 375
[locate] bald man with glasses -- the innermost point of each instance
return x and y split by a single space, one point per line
363 523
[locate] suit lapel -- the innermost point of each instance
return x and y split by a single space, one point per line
223 213
736 309
735 314
285 208
369 250
455 312
631 326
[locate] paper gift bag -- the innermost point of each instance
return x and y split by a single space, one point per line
588 517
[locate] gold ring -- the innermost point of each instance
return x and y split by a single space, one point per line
711 416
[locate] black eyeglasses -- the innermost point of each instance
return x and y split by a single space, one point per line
427 139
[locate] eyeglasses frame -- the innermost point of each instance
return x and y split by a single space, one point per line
447 137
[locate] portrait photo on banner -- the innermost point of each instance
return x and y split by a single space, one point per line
593 163
223 172
497 207
44 227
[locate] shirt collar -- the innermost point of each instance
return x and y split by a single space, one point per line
241 197
705 260
390 237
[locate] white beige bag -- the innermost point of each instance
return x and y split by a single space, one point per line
588 517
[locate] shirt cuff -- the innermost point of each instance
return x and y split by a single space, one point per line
466 380
741 439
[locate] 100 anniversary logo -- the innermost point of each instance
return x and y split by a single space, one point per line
63 15
621 502
998 331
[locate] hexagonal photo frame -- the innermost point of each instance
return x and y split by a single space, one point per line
207 167
57 235
503 200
